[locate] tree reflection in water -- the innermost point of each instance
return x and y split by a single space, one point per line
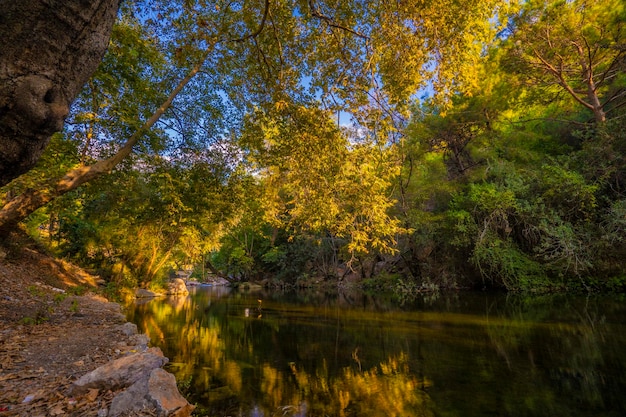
358 356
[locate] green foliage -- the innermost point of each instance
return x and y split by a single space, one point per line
381 283
616 284
235 261
568 192
112 292
58 298
77 290
288 261
134 227
570 49
38 319
602 158
502 263
498 179
614 224
36 291
521 230
536 213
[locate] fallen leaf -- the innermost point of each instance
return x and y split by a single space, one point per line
57 410
7 377
92 394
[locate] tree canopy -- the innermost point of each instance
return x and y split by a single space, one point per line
444 142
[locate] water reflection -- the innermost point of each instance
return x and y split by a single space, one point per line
350 354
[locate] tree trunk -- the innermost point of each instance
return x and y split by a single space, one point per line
596 105
20 207
214 271
48 51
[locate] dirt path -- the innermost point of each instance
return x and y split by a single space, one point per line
50 336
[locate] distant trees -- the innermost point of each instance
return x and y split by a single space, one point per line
574 47
537 210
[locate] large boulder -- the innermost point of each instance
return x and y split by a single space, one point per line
143 293
143 385
177 287
120 373
157 391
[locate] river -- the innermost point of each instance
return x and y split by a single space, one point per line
350 354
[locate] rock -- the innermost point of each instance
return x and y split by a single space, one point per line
143 293
250 286
177 286
213 281
184 274
132 399
141 341
163 392
157 391
129 329
28 398
120 373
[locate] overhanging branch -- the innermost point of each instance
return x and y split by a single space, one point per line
315 12
261 25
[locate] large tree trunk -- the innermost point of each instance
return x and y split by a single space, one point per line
21 206
48 50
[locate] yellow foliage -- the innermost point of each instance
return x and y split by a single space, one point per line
315 179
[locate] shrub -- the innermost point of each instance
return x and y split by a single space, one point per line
504 265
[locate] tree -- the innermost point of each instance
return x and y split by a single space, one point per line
256 54
137 224
576 47
317 181
49 50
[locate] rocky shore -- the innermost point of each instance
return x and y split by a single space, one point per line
67 351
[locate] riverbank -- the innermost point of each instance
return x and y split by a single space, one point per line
55 328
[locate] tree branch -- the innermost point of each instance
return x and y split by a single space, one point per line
315 12
550 119
261 25
26 203
561 80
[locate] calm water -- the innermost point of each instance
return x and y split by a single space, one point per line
311 354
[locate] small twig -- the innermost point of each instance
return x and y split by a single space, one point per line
261 25
550 119
330 22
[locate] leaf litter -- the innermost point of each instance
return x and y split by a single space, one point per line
49 338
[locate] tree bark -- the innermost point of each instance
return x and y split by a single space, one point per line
48 51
